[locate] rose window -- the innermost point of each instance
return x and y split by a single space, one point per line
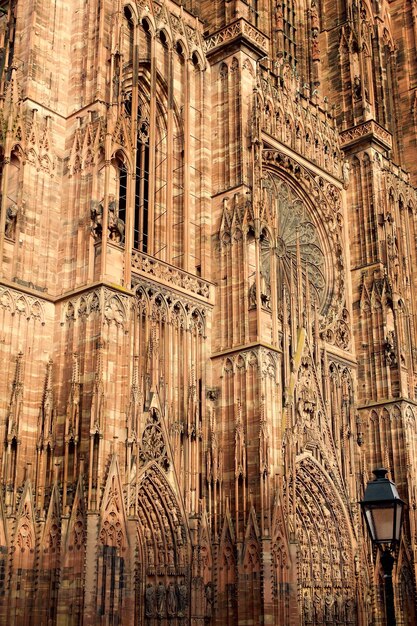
294 229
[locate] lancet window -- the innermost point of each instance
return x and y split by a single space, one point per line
289 28
118 191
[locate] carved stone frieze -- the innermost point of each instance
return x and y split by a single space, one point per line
164 305
259 357
114 306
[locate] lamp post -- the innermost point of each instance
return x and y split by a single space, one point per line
383 508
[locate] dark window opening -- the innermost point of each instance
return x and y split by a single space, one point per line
122 192
140 235
290 47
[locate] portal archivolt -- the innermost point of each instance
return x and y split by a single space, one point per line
325 556
163 565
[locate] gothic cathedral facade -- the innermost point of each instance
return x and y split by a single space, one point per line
208 300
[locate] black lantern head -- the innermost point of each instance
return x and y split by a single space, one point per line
382 508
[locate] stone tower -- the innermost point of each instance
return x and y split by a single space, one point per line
208 298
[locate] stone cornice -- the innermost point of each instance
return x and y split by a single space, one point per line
245 348
387 402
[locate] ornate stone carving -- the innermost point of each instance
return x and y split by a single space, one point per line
286 114
25 305
369 130
96 215
295 230
326 561
390 350
150 601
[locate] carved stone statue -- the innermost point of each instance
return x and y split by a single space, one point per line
339 609
209 600
389 349
357 87
149 601
11 219
116 225
315 22
346 173
265 290
328 609
171 600
151 557
96 214
252 295
161 600
350 611
182 598
318 613
279 17
308 609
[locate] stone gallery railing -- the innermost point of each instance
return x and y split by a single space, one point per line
170 275
369 130
240 28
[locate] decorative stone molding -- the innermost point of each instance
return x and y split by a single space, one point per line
114 306
165 306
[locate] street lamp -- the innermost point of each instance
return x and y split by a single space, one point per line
383 508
